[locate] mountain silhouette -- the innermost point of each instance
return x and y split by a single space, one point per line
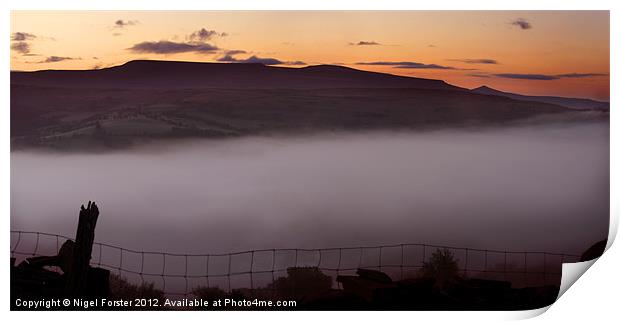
175 74
575 103
154 100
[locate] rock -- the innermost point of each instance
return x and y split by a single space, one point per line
374 275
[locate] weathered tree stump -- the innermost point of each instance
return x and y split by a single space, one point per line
78 269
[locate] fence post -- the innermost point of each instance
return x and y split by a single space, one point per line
36 245
505 264
207 271
229 263
380 258
486 260
84 238
19 237
252 272
545 267
525 278
185 277
402 260
466 260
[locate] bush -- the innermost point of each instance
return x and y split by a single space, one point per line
120 288
442 266
302 282
209 293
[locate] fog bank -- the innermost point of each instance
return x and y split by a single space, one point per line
527 188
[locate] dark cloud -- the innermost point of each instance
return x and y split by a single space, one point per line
56 59
264 61
365 43
120 23
477 61
527 76
21 46
479 75
22 36
170 47
195 42
251 60
227 58
204 35
406 65
257 60
548 77
20 42
521 23
296 63
235 52
578 75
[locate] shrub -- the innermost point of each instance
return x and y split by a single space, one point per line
120 288
210 293
302 282
442 266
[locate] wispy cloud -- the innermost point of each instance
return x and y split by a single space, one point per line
22 36
521 23
252 59
195 42
21 47
547 77
364 43
120 23
295 63
580 75
479 75
259 60
204 35
21 42
527 76
170 47
408 65
51 59
235 52
484 61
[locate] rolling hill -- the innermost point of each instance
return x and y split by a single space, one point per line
173 75
154 100
575 103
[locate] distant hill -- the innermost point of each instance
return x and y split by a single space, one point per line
575 103
155 100
174 74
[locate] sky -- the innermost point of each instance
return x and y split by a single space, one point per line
561 53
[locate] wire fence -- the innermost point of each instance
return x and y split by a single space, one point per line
179 274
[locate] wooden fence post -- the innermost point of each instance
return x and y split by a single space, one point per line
77 277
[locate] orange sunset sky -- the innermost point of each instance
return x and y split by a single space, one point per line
563 53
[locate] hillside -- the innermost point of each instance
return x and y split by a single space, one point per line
151 100
575 103
169 75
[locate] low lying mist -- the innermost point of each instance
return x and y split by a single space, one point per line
528 188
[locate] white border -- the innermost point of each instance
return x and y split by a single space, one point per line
594 295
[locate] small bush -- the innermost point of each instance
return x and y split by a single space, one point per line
442 266
302 282
210 293
120 288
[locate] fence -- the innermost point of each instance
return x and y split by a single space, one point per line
177 274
